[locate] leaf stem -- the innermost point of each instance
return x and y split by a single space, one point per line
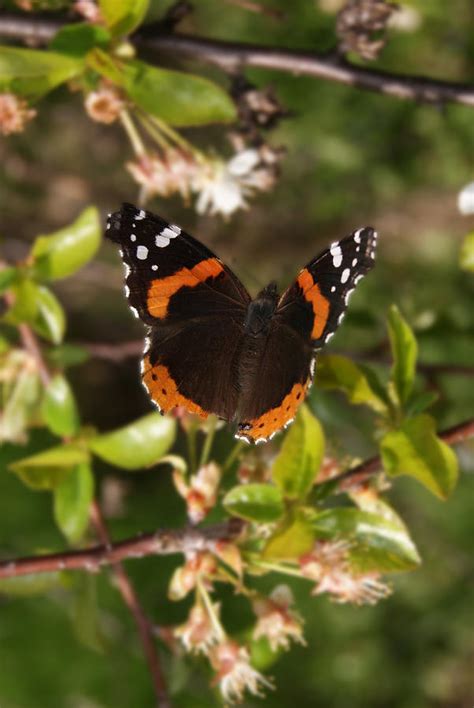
133 135
208 440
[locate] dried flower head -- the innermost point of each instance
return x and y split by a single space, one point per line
359 25
105 104
328 565
234 674
89 10
164 175
14 113
276 621
198 633
200 493
198 566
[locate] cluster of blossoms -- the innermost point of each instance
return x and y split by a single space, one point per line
15 113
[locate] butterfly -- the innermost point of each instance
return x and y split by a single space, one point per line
212 348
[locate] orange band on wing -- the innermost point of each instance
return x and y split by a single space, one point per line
319 303
164 391
276 418
161 290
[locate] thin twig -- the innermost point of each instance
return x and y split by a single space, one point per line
130 598
161 542
355 476
234 56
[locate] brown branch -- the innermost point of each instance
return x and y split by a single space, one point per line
355 476
130 598
162 542
235 56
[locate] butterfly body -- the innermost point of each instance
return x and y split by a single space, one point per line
214 349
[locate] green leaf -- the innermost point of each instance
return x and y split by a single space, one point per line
255 502
419 402
292 539
8 276
25 305
85 613
32 73
415 449
466 254
140 444
72 500
176 97
50 320
297 465
20 406
59 408
357 382
47 469
376 543
61 254
67 355
123 16
404 352
33 584
78 39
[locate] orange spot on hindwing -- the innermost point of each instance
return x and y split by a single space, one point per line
272 421
164 391
319 303
161 290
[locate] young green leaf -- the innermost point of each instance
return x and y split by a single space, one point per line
47 469
123 16
255 502
300 457
176 97
140 444
77 39
360 386
293 538
59 408
64 252
8 276
466 254
50 320
72 500
20 402
415 449
25 305
29 585
85 613
404 352
375 542
32 73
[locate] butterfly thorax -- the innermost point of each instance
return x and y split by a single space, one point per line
260 312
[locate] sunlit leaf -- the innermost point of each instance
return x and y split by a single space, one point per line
64 252
300 457
360 386
76 40
72 500
415 450
404 352
20 403
47 469
374 542
176 97
50 320
140 444
255 502
466 254
59 407
25 304
8 276
123 16
293 538
32 73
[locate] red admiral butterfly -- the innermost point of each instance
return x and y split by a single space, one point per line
211 348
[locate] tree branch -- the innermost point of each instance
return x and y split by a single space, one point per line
355 476
235 56
162 542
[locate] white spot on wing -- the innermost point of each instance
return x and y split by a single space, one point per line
142 253
354 262
333 288
133 237
168 233
336 253
135 311
340 318
108 226
154 267
127 290
141 215
357 235
176 229
357 279
162 241
348 295
328 337
345 275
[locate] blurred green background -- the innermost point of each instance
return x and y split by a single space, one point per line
353 158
